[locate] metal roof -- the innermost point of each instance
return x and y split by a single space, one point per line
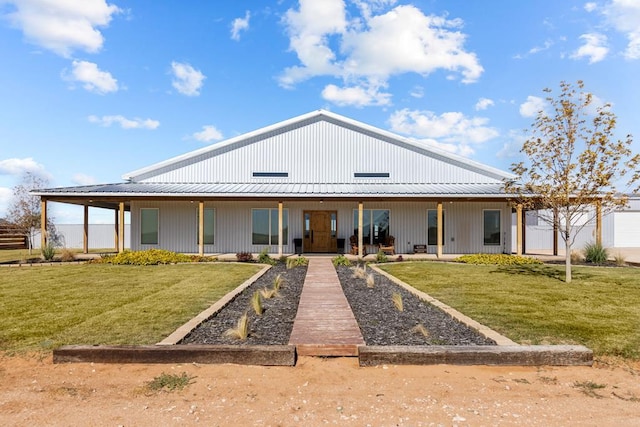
278 189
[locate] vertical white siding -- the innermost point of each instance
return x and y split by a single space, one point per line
408 224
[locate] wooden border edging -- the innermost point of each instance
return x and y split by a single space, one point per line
520 355
483 330
184 330
265 355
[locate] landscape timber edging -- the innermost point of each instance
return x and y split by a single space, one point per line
483 330
520 355
264 355
184 330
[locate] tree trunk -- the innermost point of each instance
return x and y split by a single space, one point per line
567 261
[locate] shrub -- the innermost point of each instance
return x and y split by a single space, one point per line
244 257
576 257
620 259
497 259
256 303
264 258
359 272
341 260
67 255
278 281
241 331
298 261
371 281
595 253
147 257
381 257
396 297
48 252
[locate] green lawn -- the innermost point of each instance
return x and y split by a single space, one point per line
599 309
45 307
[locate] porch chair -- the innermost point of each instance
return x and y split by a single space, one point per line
353 240
389 246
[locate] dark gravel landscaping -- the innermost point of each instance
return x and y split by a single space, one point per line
275 324
382 324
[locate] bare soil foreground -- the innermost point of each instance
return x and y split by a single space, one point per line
318 391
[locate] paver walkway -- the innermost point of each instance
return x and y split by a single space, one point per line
324 324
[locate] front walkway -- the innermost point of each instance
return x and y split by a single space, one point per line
324 324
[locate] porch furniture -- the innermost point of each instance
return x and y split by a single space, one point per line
389 246
353 240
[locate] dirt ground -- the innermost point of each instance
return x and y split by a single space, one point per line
318 391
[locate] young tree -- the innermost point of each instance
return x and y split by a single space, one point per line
573 162
24 211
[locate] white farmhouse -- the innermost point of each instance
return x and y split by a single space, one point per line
309 184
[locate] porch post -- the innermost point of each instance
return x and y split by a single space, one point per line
519 229
360 227
43 223
279 229
555 232
121 228
439 230
85 231
117 231
598 223
201 228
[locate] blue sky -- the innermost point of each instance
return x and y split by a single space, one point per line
93 89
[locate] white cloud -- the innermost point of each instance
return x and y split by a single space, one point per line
451 131
83 179
367 50
594 47
18 167
125 123
417 92
590 6
207 134
357 96
186 79
512 147
92 78
240 24
484 103
624 16
532 106
63 26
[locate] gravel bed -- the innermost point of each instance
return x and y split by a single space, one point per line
382 324
272 328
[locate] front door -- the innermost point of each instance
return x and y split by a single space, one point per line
320 229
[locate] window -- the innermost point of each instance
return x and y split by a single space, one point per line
149 226
375 225
432 227
265 226
491 227
371 175
271 174
209 221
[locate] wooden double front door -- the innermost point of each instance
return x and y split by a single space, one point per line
320 231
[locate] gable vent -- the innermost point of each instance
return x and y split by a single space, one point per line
271 174
371 175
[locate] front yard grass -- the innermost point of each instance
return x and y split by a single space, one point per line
46 307
532 305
